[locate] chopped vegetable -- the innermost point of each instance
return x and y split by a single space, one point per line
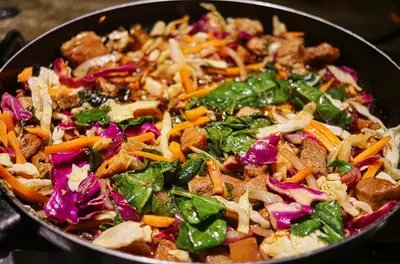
38 132
300 176
7 117
281 214
149 155
195 113
12 140
372 150
176 151
74 144
158 221
372 169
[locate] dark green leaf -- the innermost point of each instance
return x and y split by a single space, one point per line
337 93
193 239
91 116
190 168
238 142
164 207
330 215
216 137
188 210
342 165
311 78
95 159
169 170
305 228
330 235
139 121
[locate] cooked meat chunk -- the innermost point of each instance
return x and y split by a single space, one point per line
376 192
106 86
290 52
253 172
193 136
322 54
352 177
364 123
117 164
218 259
201 185
250 26
245 250
233 164
84 46
167 250
30 144
247 111
245 55
314 155
258 46
26 101
42 163
259 182
65 101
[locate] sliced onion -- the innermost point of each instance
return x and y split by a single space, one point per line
293 159
264 196
239 62
258 230
99 61
256 217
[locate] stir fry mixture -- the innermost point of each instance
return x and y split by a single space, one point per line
211 142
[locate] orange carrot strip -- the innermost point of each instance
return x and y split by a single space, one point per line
372 169
3 131
232 71
200 47
309 129
25 74
7 117
282 75
300 176
284 106
144 137
176 151
20 189
187 38
149 155
216 176
186 81
326 85
13 142
38 132
293 34
326 131
195 113
372 150
198 122
199 92
74 144
158 221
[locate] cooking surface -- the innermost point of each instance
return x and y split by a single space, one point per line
369 19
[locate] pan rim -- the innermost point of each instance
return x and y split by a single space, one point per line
141 259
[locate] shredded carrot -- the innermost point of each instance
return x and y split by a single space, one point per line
372 150
300 176
278 66
231 215
8 120
195 113
25 74
176 151
293 34
144 137
284 107
326 85
216 176
13 142
200 47
38 132
326 131
233 71
188 38
199 92
149 155
372 169
158 221
186 81
309 129
282 75
3 131
54 92
198 122
74 144
20 189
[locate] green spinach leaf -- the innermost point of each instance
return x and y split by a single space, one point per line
342 166
92 116
305 228
330 215
337 93
188 210
95 159
193 239
164 207
169 170
143 119
190 168
238 142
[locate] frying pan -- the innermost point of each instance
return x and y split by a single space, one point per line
378 75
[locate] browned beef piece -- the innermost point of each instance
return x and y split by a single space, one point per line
290 52
250 26
253 172
26 101
322 54
258 46
193 136
30 144
259 182
218 259
42 163
314 155
201 185
376 192
233 164
65 101
84 46
162 250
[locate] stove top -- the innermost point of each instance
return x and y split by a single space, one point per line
23 245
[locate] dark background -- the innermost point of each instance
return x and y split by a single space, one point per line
370 19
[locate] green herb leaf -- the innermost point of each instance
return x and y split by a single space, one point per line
337 93
238 142
188 210
164 207
91 116
189 169
305 228
193 239
169 170
342 165
330 215
95 159
143 119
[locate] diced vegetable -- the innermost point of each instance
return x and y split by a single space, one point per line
281 214
12 140
372 150
74 144
176 151
38 132
158 221
300 176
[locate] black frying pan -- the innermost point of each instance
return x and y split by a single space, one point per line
378 75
